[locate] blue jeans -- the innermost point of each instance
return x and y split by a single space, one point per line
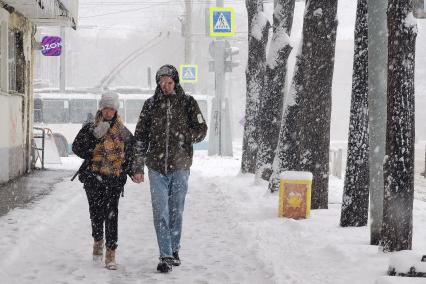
168 194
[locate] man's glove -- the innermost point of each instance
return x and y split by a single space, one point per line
101 129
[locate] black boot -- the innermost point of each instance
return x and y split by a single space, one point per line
165 264
176 259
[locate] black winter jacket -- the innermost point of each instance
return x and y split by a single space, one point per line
83 146
168 126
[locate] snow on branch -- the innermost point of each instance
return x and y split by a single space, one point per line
411 22
279 41
259 23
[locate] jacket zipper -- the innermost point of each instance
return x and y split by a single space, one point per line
168 115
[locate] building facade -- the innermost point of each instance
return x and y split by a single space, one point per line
19 20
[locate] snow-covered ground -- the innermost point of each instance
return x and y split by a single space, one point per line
231 235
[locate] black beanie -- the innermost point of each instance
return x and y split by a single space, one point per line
167 70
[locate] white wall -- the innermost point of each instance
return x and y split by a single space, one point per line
4 139
15 109
16 130
12 145
17 145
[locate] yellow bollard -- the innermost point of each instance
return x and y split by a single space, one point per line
295 195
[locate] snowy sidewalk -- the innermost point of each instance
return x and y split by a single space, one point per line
29 188
50 241
231 235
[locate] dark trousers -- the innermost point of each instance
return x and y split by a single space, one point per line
103 209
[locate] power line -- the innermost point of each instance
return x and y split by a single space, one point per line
128 3
116 12
121 3
170 3
150 4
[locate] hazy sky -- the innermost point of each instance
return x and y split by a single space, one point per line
110 30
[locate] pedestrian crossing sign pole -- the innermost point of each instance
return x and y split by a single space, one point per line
222 22
188 73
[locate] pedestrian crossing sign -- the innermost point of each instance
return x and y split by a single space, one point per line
222 22
189 73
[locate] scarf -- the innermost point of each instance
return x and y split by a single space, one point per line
108 156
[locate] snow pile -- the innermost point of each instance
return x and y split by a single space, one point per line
315 250
404 261
399 280
295 175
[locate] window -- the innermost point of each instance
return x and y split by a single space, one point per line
133 110
38 111
55 111
12 61
82 110
16 62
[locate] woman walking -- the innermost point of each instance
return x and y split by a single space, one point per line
106 145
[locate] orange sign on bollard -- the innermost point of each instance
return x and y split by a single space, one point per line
295 195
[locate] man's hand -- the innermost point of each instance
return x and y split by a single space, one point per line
138 178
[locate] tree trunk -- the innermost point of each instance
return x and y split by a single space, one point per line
315 96
377 101
287 152
399 164
258 27
305 128
355 192
271 101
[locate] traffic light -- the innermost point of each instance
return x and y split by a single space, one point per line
229 53
227 56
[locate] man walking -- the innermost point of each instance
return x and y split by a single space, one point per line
170 122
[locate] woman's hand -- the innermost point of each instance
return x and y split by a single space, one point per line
138 178
101 129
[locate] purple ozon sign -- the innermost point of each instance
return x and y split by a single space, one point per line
51 46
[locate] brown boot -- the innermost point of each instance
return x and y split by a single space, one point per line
98 250
110 259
